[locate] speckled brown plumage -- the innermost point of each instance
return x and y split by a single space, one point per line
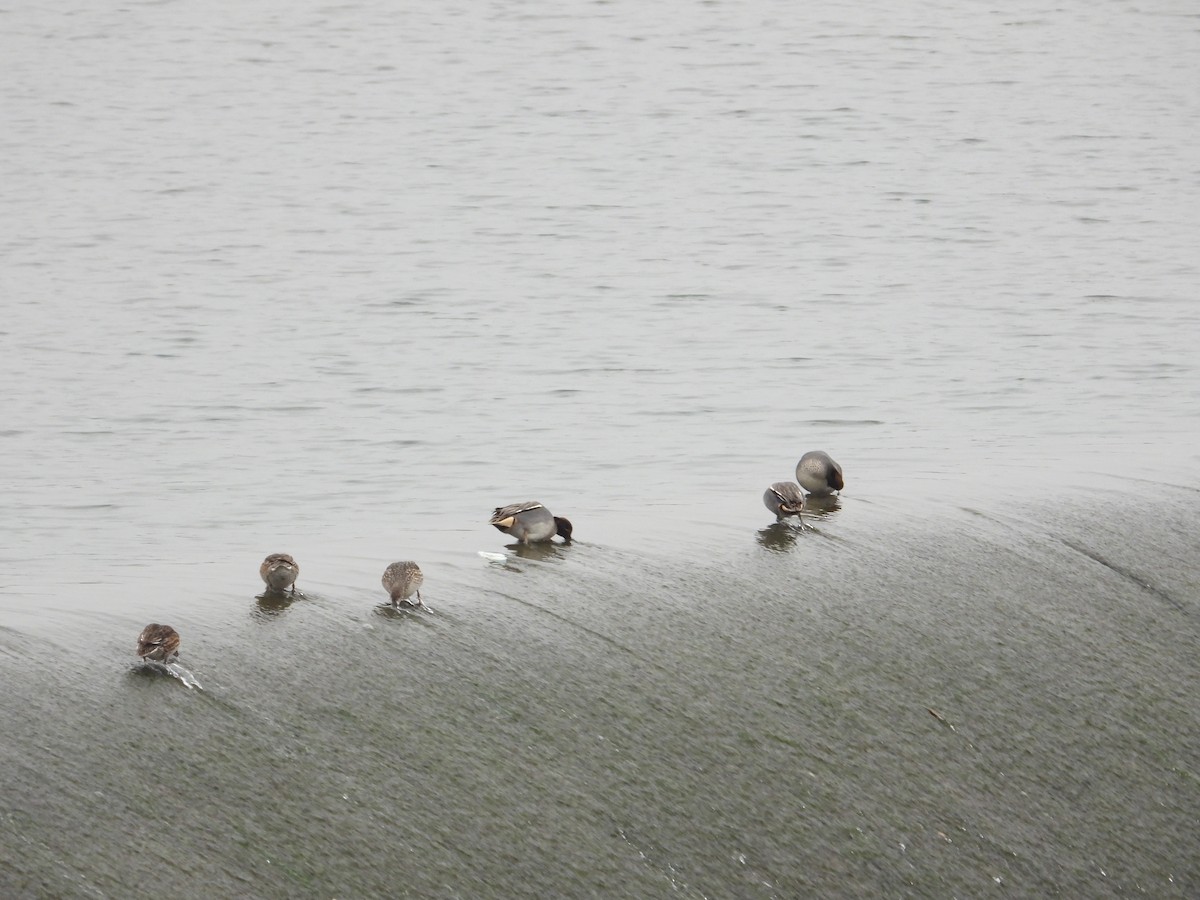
401 580
158 642
279 572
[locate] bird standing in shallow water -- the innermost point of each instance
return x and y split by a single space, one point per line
159 643
819 474
401 580
529 522
279 572
784 498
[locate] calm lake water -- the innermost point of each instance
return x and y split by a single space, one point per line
336 280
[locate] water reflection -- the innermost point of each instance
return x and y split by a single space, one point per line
778 537
821 506
274 603
540 552
781 536
407 613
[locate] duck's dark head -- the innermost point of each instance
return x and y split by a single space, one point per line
835 480
564 528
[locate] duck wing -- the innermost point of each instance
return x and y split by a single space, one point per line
504 512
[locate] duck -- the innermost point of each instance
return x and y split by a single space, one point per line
279 572
784 498
819 474
401 580
159 643
530 522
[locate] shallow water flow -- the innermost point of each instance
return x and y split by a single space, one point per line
339 281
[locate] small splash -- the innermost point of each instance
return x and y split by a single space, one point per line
188 679
493 557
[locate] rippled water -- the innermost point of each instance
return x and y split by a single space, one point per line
338 280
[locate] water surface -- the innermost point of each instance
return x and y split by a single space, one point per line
338 280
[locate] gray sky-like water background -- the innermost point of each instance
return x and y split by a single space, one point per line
336 280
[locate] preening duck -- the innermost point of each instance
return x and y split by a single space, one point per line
819 474
279 571
401 580
159 643
784 498
530 522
